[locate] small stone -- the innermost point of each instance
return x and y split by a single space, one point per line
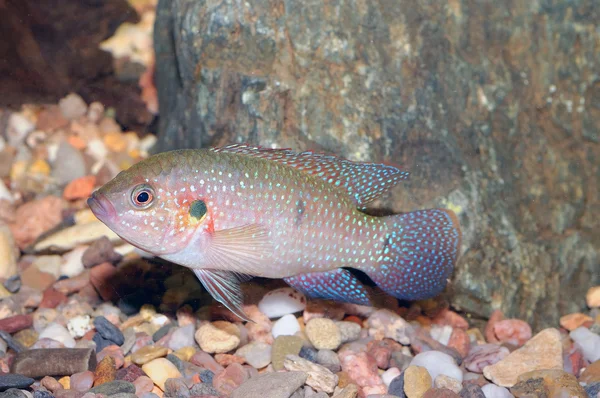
206 376
108 330
52 298
73 284
80 188
46 343
65 382
551 383
589 343
260 330
218 337
51 384
114 387
416 381
130 373
389 375
204 360
13 283
350 391
256 354
349 331
143 384
13 393
230 379
26 337
460 341
437 363
8 253
176 388
203 390
308 353
58 333
271 385
105 372
319 377
80 325
543 351
323 333
42 394
440 393
283 301
101 342
592 298
287 325
102 278
82 381
471 391
381 351
323 309
159 370
329 359
228 359
15 323
362 369
14 381
68 165
36 217
489 333
182 337
148 353
283 346
100 251
443 381
493 391
512 331
573 321
185 353
115 352
484 355
385 323
72 106
593 390
17 129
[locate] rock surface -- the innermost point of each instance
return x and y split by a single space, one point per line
472 100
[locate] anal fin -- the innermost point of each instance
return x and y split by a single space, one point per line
224 286
338 285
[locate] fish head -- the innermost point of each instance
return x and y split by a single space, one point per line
146 208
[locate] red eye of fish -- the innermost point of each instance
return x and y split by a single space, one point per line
142 197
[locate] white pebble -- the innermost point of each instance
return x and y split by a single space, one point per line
390 375
72 106
494 391
78 326
73 265
58 333
441 333
286 326
97 149
588 341
5 193
18 128
437 363
281 302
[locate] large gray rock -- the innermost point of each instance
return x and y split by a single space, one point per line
493 106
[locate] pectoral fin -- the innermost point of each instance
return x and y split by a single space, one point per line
224 286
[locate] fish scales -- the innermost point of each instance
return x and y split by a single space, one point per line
243 210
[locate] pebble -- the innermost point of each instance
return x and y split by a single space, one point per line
69 164
16 323
362 369
460 341
349 391
72 265
113 351
484 355
592 297
256 354
308 353
8 253
14 381
471 391
385 323
437 363
130 337
512 331
182 337
17 129
381 351
176 388
271 385
13 393
417 381
260 330
159 370
283 346
109 331
52 298
349 331
80 325
283 301
13 283
441 333
58 333
82 381
101 277
218 337
100 251
206 361
130 373
148 353
72 106
36 217
443 381
203 390
323 309
323 333
319 377
114 387
287 325
101 342
589 343
493 391
551 383
80 188
389 375
230 379
543 351
105 372
143 384
73 284
329 359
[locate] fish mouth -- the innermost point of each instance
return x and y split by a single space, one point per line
101 206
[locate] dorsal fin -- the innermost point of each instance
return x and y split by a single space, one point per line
364 182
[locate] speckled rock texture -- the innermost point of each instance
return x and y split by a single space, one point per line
494 107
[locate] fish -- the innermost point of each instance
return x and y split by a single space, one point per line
240 211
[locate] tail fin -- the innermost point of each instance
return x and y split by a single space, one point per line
418 254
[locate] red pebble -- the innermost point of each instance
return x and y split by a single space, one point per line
512 331
115 352
490 336
228 359
362 369
355 319
460 341
204 360
230 379
130 373
447 317
15 323
381 351
52 298
102 277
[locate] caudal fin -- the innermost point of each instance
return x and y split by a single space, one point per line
417 254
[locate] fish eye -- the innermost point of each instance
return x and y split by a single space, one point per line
142 196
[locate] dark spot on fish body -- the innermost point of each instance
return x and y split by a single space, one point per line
300 210
198 209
